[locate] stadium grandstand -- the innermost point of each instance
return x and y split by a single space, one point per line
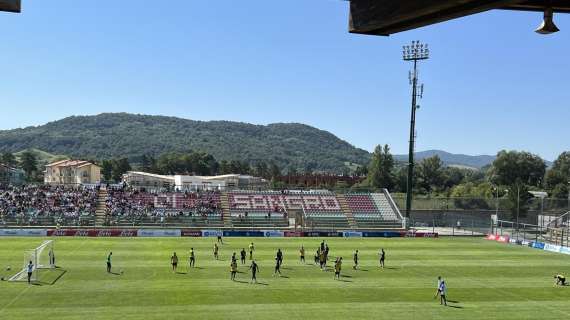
47 205
238 209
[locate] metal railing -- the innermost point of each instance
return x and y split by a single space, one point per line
533 232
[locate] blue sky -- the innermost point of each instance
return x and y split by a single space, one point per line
491 83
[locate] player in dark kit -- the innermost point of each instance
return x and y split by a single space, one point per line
220 240
174 262
277 267
382 258
51 257
192 258
355 260
279 256
242 255
254 269
109 262
560 280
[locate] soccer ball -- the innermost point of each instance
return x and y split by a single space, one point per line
121 271
8 268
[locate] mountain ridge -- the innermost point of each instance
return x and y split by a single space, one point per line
111 135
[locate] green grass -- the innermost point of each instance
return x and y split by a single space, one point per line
487 279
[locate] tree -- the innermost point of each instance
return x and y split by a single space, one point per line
120 167
511 167
262 170
29 163
274 170
558 177
361 171
401 178
8 159
518 199
453 176
380 169
107 170
148 163
430 173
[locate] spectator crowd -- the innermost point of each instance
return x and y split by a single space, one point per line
128 205
46 205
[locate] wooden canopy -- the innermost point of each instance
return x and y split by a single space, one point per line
385 17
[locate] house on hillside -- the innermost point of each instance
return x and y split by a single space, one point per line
11 176
72 172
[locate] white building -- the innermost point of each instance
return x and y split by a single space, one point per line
139 179
72 172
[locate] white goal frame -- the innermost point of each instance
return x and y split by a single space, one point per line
39 259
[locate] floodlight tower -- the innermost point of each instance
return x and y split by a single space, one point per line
414 52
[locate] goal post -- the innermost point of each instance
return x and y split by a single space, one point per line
42 257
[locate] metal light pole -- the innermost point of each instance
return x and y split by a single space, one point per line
518 207
569 196
414 52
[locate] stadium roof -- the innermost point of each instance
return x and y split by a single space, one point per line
385 17
10 5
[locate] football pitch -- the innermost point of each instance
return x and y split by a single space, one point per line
486 280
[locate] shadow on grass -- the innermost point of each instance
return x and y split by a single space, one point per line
178 272
391 268
239 281
346 276
54 276
115 273
262 283
286 277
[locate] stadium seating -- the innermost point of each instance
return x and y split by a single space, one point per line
321 209
372 210
49 206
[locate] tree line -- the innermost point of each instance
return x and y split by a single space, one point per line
511 176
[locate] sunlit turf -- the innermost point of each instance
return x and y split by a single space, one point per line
486 280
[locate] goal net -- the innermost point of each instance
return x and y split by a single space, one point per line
42 257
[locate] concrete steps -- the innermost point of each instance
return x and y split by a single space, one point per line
226 215
101 208
346 209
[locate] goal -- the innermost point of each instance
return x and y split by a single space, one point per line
42 257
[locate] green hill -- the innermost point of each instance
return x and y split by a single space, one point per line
111 135
42 156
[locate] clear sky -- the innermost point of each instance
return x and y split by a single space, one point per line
491 84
